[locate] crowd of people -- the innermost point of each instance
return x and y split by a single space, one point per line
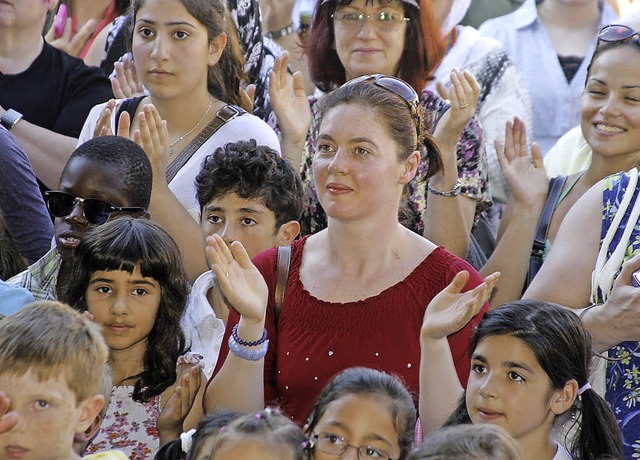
319 229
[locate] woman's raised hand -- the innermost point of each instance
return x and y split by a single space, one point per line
451 309
240 281
526 177
152 135
291 106
125 83
72 46
7 419
463 99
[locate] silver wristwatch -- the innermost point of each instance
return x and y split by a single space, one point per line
10 118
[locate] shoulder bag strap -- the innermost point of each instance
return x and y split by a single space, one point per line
539 243
282 277
130 106
225 114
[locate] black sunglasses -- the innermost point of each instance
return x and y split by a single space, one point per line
617 33
96 211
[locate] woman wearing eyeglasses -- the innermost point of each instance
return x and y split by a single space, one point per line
357 291
602 229
401 38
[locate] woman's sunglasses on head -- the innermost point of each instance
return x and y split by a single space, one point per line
95 211
618 33
394 85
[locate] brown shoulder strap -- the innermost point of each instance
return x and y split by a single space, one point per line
225 114
282 276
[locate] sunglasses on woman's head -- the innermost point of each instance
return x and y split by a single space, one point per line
617 33
394 85
95 211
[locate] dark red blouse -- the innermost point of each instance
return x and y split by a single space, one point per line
315 340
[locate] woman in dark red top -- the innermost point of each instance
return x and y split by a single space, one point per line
357 291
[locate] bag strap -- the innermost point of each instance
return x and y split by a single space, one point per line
539 243
130 106
282 277
225 114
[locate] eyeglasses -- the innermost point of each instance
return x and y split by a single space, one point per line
394 85
614 33
335 445
97 212
385 21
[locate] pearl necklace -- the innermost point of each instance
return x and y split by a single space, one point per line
192 129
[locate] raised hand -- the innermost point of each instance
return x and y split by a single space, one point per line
72 46
451 309
152 135
7 419
526 177
240 281
463 98
291 106
125 84
179 404
276 13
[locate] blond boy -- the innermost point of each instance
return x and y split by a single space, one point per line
51 363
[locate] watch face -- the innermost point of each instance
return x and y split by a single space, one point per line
10 118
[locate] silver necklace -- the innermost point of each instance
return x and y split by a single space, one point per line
192 129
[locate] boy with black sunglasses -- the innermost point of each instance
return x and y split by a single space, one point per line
103 177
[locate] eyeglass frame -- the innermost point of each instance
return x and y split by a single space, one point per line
345 446
77 200
363 17
627 39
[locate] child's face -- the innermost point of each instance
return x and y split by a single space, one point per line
239 219
507 387
49 417
251 448
125 305
361 421
84 178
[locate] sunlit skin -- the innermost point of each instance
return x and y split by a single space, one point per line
362 420
356 167
172 51
125 305
367 49
507 387
610 114
48 417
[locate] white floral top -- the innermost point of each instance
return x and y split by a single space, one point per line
128 426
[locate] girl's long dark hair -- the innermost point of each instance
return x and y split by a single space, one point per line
563 348
124 244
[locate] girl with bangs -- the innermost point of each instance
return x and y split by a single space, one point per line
129 277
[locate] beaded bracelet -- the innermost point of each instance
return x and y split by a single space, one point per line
288 30
455 191
244 343
250 354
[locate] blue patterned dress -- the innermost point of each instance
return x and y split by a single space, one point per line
623 375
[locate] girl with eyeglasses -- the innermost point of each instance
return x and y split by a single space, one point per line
351 38
357 291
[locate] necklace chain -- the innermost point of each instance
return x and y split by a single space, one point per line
192 129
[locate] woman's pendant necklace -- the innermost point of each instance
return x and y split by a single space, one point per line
192 129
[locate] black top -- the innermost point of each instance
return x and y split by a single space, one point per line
56 92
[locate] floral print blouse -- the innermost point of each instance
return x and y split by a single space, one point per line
473 170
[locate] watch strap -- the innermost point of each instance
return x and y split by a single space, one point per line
10 118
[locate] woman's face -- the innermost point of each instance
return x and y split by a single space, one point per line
172 50
359 421
365 48
356 168
610 113
507 387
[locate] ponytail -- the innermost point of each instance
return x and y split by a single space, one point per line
171 450
599 434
